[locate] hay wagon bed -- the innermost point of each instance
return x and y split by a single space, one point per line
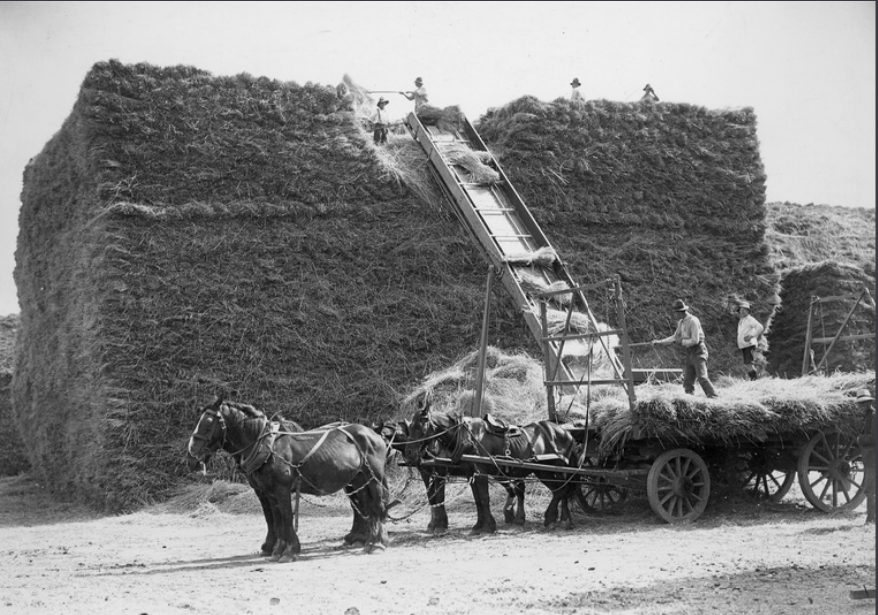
678 475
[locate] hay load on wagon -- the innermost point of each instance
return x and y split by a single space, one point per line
747 411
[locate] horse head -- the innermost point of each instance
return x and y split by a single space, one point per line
431 429
209 435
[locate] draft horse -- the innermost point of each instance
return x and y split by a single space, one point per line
397 436
317 462
545 441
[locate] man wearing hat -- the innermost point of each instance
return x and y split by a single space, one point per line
689 337
419 95
576 96
380 122
867 447
749 331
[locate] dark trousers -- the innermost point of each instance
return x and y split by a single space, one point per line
695 368
748 361
380 135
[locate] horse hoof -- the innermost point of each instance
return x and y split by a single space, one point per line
275 558
375 548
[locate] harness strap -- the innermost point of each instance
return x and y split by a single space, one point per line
318 445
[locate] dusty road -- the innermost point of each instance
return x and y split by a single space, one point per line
195 556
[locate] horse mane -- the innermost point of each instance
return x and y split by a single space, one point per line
247 409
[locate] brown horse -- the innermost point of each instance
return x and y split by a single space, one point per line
470 436
396 435
318 462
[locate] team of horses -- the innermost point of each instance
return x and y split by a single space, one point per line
282 461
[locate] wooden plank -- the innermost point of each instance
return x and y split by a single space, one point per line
845 338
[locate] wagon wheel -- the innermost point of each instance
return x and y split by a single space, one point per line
763 475
832 473
678 485
599 496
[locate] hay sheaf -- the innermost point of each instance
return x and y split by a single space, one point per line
790 325
669 196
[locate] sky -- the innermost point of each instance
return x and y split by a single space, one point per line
806 68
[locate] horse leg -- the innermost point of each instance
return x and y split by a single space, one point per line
268 513
509 504
375 497
518 486
435 485
359 529
288 546
485 523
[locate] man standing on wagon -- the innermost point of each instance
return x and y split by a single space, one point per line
690 338
749 330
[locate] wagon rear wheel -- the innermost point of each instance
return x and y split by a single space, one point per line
832 473
599 496
678 485
763 475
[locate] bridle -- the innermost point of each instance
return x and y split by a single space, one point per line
438 432
221 421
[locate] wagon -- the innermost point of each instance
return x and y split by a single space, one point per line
678 477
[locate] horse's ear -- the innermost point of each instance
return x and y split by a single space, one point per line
218 400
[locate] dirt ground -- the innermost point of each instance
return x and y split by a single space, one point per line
199 554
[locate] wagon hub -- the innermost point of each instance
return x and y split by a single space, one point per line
683 486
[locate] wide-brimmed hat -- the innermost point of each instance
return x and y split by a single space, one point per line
419 81
575 82
864 395
679 306
744 305
383 101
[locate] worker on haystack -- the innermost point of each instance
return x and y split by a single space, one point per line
380 122
867 449
575 94
419 95
649 93
749 331
689 336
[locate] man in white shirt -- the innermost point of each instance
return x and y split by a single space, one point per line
749 330
419 95
380 122
689 336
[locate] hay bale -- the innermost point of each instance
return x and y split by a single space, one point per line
789 326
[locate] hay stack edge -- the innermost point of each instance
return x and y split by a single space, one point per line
185 234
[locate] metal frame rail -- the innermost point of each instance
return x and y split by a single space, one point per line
507 234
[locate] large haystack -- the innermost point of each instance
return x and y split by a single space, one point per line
790 324
183 234
669 196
